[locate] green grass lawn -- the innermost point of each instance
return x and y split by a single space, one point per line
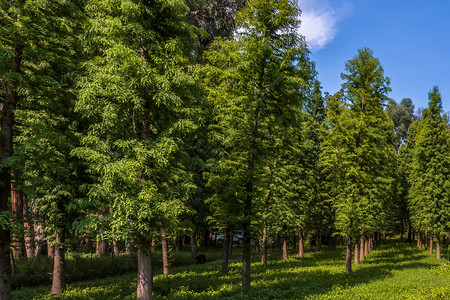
393 271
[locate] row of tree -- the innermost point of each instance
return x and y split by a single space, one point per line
137 121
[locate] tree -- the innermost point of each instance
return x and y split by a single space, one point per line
429 196
136 96
357 152
255 87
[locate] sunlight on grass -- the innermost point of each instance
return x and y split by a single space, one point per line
394 271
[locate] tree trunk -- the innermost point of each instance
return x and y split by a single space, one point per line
230 242
58 280
101 245
348 256
425 239
115 247
301 252
264 245
165 253
225 251
366 247
438 247
356 256
317 242
431 244
419 241
17 209
361 249
285 251
246 249
193 244
144 277
38 239
29 229
370 243
6 151
50 249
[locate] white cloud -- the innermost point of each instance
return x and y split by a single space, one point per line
319 21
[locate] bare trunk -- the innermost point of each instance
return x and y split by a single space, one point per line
225 251
165 253
193 244
348 256
50 249
371 243
58 280
230 243
317 242
419 241
356 256
285 251
264 245
115 247
361 249
366 247
425 239
29 229
101 244
431 244
145 277
38 239
17 209
438 247
301 252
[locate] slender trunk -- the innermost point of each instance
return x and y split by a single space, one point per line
29 229
101 244
438 247
50 249
361 249
317 242
356 256
59 265
246 223
366 247
285 252
301 252
370 243
193 244
165 253
425 239
38 239
409 233
264 245
17 209
419 241
257 245
348 256
225 251
431 244
144 277
230 243
116 251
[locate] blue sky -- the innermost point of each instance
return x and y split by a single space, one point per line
410 38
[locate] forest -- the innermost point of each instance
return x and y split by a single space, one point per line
144 128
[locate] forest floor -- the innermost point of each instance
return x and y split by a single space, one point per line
392 271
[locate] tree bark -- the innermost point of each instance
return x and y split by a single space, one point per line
438 247
264 245
38 238
29 229
361 249
165 253
431 244
366 247
144 277
419 241
285 251
225 251
17 209
301 252
115 247
193 244
356 256
101 245
58 280
317 242
50 249
348 256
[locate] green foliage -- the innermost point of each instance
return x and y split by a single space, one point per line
394 271
429 195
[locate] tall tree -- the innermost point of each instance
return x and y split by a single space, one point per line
357 152
255 86
429 196
135 96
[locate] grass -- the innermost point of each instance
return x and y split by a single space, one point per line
393 271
